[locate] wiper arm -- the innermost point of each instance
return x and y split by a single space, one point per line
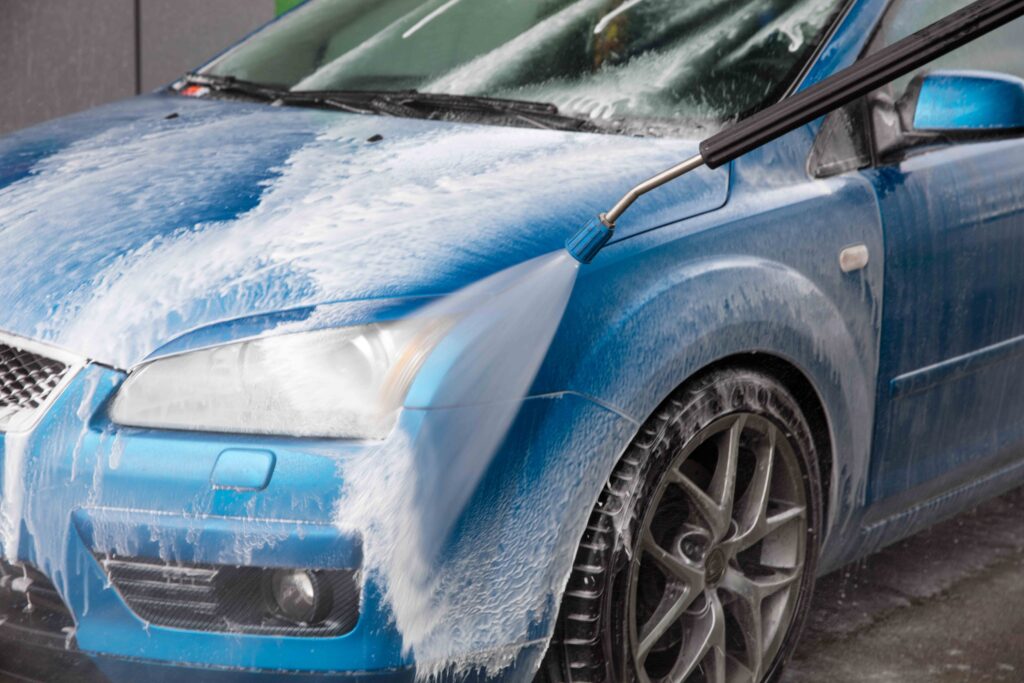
272 94
230 84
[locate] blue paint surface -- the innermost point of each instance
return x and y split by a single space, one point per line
129 235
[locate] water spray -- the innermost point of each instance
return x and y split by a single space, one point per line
838 90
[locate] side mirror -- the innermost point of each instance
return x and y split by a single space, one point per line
963 104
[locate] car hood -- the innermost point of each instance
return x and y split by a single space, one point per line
129 226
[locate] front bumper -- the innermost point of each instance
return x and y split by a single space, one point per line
32 663
92 490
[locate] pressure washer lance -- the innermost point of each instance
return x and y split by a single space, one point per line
899 59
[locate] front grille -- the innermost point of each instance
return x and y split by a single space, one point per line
26 380
225 598
31 608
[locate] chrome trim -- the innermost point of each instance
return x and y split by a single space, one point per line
691 164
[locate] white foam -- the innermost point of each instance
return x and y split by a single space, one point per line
406 496
325 229
11 505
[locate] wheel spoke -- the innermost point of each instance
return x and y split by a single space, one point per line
716 505
753 508
756 589
673 566
780 581
723 484
739 673
674 602
707 637
716 668
747 595
746 608
776 581
717 517
781 519
762 528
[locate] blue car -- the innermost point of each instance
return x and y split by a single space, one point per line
298 381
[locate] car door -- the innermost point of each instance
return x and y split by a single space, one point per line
950 402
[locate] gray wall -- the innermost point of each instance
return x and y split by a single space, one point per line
178 35
62 56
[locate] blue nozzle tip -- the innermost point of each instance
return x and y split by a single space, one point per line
586 243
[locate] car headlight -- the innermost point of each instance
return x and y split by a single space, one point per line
344 383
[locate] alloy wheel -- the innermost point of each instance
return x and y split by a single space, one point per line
715 579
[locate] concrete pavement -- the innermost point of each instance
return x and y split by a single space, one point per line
945 606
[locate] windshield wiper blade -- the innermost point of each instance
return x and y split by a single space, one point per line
355 101
539 114
475 102
398 102
413 102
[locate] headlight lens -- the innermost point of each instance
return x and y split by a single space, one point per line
345 383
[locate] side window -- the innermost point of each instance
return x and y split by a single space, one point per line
869 130
1001 51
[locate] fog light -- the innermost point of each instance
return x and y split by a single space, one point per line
300 596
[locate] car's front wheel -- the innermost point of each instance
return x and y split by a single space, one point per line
698 561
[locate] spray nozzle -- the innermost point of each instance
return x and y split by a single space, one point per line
585 244
591 238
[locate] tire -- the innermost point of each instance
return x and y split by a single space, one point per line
619 622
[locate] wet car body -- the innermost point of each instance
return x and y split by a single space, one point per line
166 224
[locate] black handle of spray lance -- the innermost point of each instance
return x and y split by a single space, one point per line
898 59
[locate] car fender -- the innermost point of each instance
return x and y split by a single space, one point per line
681 318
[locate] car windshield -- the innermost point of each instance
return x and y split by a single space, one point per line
692 63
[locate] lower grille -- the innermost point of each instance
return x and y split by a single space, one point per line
226 598
31 608
26 663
